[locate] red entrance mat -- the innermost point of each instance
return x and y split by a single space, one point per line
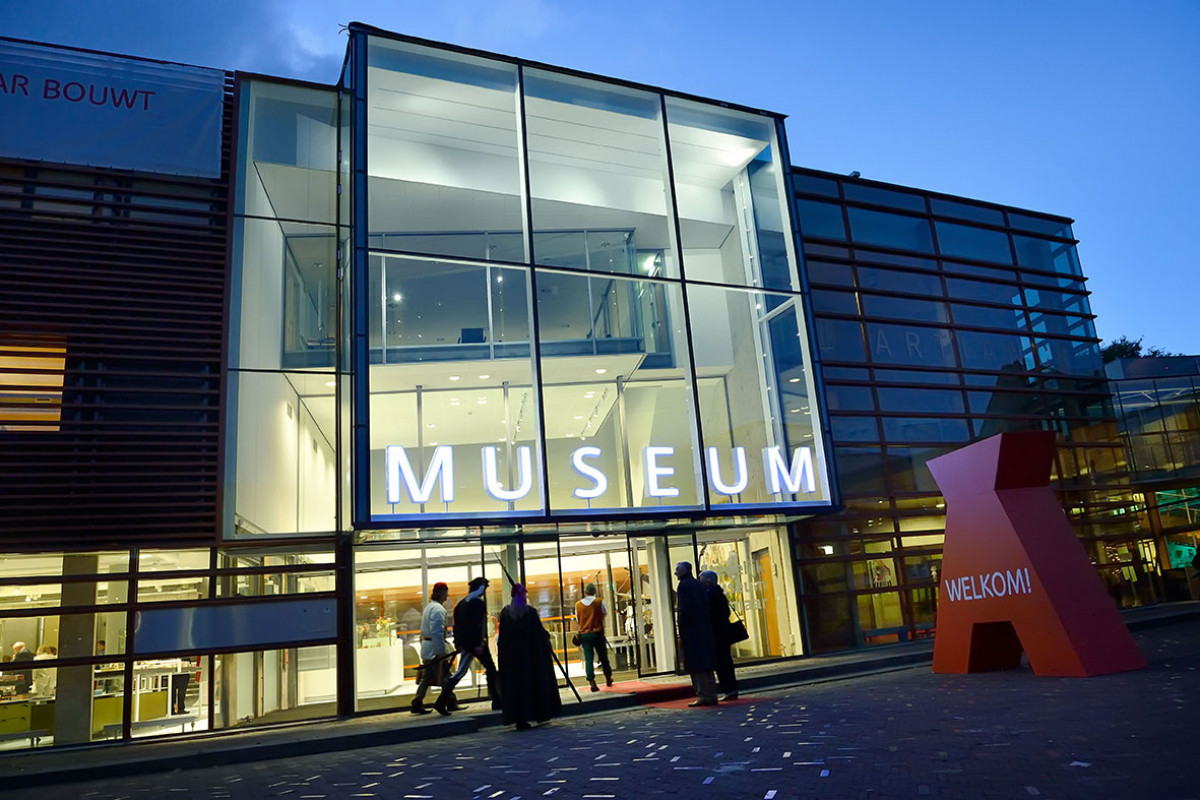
667 695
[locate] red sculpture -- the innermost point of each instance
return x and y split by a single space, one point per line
1013 574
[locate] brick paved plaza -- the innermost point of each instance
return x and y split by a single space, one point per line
907 734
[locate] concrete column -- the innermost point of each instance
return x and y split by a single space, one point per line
76 639
658 562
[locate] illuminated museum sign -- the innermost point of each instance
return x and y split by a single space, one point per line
782 475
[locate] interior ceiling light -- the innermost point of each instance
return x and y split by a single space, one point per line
484 377
793 380
331 383
601 371
453 377
397 297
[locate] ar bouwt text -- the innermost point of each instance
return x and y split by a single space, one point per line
95 94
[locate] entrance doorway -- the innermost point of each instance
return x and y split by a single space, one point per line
634 578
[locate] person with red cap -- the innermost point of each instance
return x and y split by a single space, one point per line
433 645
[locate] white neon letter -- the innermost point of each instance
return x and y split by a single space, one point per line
741 475
400 470
588 471
654 472
801 468
492 483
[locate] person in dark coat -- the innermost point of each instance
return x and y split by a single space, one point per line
528 686
696 634
718 609
470 640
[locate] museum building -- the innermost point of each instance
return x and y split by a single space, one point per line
276 357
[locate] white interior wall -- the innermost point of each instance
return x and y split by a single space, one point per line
261 310
286 470
267 464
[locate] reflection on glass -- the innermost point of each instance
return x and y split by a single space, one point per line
290 136
729 190
443 169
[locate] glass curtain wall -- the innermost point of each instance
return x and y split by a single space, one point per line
282 426
530 273
940 322
133 644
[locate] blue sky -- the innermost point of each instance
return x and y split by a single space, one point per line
1087 108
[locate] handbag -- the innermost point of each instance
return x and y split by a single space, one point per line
737 630
575 640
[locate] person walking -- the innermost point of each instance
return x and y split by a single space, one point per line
528 687
470 640
718 609
433 645
590 615
696 635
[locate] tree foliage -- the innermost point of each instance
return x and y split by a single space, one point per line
1125 347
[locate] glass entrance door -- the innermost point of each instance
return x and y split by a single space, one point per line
754 567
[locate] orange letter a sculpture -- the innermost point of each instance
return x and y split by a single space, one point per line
1013 574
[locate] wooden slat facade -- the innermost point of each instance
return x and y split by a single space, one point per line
116 281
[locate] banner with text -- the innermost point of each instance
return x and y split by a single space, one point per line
72 107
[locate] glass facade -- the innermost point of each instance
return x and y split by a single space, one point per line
490 318
939 322
1157 405
573 298
132 643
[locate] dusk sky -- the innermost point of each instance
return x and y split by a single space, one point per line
1089 109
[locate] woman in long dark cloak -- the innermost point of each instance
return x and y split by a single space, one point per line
528 686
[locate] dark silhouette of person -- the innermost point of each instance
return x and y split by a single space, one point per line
470 640
696 635
718 609
528 687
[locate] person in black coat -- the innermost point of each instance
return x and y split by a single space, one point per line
470 640
696 634
528 686
718 608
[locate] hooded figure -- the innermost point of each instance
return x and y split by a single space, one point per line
528 687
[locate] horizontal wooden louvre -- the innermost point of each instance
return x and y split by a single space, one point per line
112 328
